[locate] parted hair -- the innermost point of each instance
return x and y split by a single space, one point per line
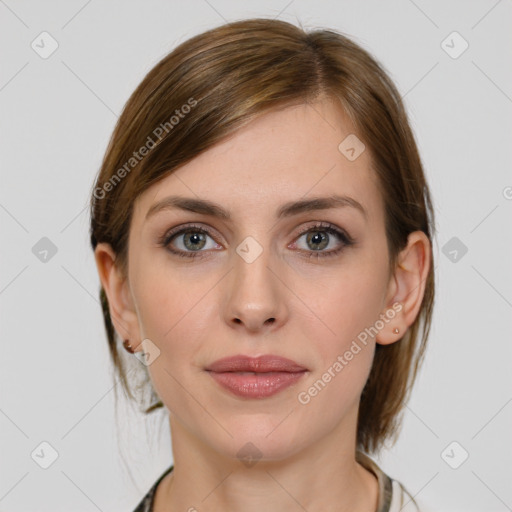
213 84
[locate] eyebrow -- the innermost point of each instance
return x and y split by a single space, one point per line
210 208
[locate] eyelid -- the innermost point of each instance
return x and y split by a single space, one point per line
325 225
200 227
167 236
342 234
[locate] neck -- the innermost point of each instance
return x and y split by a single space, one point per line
322 477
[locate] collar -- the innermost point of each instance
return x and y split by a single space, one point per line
385 483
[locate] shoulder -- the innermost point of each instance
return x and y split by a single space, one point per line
146 504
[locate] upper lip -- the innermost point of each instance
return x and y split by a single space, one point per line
266 363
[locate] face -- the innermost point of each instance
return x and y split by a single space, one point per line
299 283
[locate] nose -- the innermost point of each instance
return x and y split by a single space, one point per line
256 296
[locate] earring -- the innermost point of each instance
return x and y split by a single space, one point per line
396 330
127 346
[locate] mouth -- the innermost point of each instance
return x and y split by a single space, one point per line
261 364
256 377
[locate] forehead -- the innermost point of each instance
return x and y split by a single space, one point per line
283 155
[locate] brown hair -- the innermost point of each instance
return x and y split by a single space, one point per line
215 83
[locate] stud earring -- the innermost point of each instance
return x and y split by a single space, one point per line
396 330
127 346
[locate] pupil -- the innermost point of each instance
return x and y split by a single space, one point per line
193 241
318 238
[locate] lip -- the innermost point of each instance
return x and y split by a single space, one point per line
255 377
261 364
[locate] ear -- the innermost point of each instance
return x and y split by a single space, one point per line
406 287
122 310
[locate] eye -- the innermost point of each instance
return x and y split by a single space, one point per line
321 236
189 241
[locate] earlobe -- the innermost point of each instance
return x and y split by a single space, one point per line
122 311
407 287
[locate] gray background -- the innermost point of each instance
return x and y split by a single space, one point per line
57 114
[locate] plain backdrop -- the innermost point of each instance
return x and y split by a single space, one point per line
451 62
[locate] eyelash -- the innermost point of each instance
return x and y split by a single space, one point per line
326 227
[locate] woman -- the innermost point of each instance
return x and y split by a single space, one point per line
263 230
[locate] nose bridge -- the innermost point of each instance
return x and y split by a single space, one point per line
255 295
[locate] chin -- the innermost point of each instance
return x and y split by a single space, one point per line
261 437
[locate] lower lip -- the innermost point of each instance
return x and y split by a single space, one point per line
256 385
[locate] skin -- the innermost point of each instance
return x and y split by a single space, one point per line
199 310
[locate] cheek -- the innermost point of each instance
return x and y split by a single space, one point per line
168 300
341 307
341 333
175 309
175 320
343 350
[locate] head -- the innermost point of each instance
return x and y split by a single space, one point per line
255 116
